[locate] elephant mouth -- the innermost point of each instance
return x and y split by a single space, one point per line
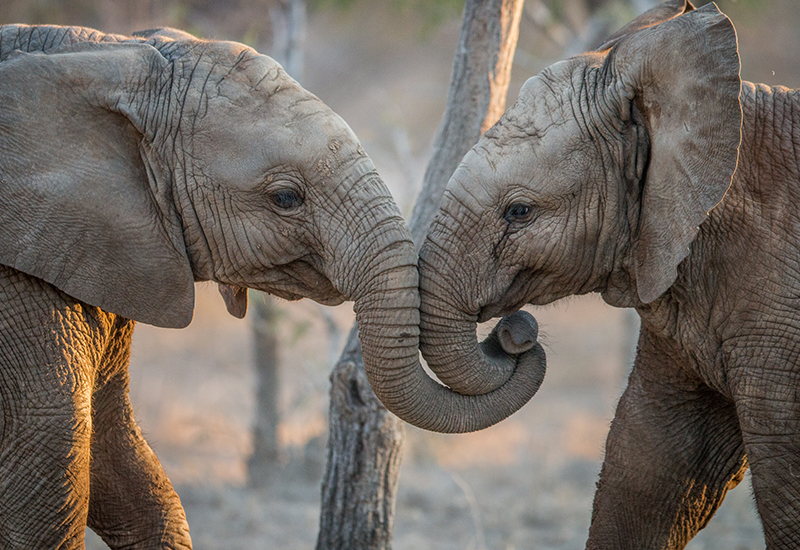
493 311
511 301
300 279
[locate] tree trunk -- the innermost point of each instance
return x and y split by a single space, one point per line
365 441
264 460
475 101
365 445
288 19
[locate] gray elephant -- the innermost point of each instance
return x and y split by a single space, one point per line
648 172
130 168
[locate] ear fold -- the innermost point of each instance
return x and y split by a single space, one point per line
681 79
80 206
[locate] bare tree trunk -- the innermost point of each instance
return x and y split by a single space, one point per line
476 99
365 441
288 20
365 445
264 460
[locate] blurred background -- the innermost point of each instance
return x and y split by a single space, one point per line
384 65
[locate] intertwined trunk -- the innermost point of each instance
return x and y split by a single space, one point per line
365 444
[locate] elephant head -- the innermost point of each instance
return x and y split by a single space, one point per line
132 167
595 180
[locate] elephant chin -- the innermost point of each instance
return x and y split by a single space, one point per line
517 294
297 280
493 311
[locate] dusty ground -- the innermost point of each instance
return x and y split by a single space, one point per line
526 483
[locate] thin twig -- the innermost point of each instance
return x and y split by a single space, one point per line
474 509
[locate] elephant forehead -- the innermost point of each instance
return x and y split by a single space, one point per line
546 99
319 144
540 169
240 68
475 188
252 96
241 149
256 118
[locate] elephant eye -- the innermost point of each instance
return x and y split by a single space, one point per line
286 199
518 212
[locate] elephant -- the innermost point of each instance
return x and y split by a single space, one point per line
648 172
132 167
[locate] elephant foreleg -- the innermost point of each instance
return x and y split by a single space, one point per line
45 401
768 404
44 477
673 452
132 504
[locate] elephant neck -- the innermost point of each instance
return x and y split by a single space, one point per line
740 267
768 159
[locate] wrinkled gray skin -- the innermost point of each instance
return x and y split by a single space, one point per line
131 167
600 179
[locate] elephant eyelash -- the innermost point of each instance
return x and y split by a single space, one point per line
518 212
286 199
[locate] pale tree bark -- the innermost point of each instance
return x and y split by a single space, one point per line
586 23
263 462
288 21
365 440
475 101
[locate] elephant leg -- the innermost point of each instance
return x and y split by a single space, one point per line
673 452
45 433
133 504
769 410
44 470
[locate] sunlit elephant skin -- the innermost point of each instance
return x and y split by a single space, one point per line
646 171
130 168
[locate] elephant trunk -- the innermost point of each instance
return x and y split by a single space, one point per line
449 343
387 313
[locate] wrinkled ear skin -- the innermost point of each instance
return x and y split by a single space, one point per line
681 78
78 208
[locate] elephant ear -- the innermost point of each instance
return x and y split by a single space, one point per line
81 206
164 32
680 79
655 16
